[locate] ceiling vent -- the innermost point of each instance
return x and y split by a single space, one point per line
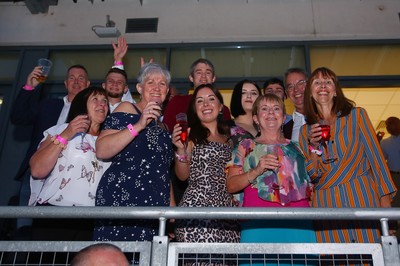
140 25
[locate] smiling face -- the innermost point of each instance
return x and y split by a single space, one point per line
295 86
97 108
202 74
323 89
249 96
208 105
76 81
115 85
269 114
154 88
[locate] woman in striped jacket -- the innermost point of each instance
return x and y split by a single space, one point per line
345 162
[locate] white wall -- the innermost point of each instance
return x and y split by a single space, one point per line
203 21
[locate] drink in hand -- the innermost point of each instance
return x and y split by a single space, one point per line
184 126
325 132
181 119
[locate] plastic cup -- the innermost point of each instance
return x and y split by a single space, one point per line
46 65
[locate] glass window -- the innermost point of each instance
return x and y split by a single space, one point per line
8 65
357 60
99 62
239 61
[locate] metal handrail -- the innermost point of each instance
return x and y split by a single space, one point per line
200 213
163 213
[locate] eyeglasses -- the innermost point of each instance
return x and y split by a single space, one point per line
119 83
300 84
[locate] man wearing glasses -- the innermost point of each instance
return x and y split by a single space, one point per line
295 81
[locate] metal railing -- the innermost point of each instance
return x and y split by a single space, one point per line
164 253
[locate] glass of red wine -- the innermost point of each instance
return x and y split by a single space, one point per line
325 132
181 119
329 156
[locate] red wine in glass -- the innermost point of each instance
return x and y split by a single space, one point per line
184 126
325 132
181 119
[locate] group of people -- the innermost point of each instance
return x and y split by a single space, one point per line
104 151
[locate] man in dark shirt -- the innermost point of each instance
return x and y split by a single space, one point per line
30 109
201 72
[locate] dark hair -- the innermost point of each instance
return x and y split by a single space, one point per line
204 61
236 100
77 66
198 132
118 71
275 81
81 256
393 125
294 70
268 97
79 103
341 105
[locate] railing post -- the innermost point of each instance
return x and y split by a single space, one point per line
159 251
390 246
162 226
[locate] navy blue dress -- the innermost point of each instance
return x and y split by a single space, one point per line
138 176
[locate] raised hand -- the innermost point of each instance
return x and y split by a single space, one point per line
142 62
80 124
32 79
150 113
120 49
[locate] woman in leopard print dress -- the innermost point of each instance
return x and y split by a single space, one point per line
209 149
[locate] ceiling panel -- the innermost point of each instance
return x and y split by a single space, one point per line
380 103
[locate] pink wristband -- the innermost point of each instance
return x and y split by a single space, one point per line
27 87
133 132
62 140
317 152
118 63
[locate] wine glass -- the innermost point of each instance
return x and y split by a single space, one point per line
156 128
328 156
273 149
181 119
81 145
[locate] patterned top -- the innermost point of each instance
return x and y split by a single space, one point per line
207 188
139 175
357 178
289 184
237 135
76 174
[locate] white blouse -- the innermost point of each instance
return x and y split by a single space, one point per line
75 176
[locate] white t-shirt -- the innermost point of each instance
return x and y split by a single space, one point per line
75 176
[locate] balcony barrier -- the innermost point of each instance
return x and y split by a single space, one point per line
162 252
